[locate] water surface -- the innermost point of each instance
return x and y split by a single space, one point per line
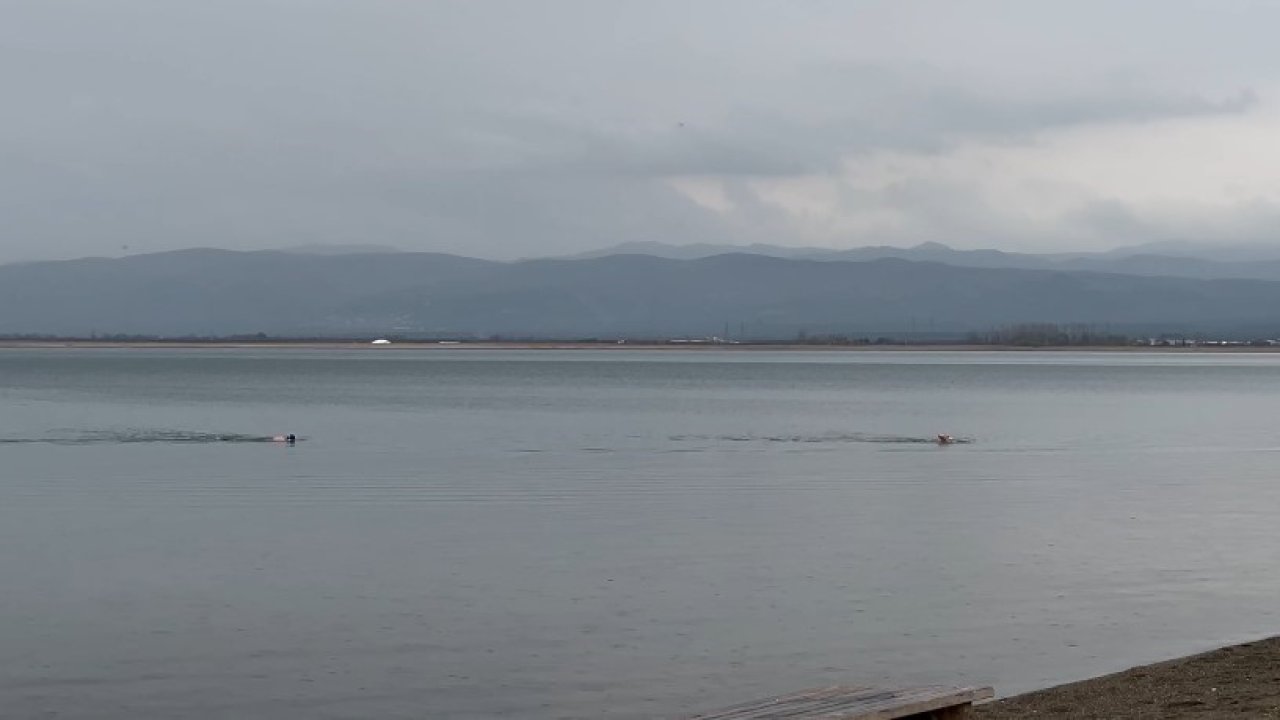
631 534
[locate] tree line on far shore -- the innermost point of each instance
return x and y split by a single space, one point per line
1048 335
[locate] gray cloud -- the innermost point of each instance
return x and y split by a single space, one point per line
508 129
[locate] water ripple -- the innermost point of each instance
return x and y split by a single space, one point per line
112 437
825 438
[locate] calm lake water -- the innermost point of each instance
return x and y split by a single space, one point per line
630 534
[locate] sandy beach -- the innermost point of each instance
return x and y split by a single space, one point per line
1240 681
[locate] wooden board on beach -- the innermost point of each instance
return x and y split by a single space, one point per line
855 702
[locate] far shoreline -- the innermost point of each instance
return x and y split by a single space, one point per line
429 345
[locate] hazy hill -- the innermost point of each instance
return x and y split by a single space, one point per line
220 292
1217 252
1177 260
339 249
206 291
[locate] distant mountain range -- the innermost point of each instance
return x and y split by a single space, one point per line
218 292
1173 259
331 249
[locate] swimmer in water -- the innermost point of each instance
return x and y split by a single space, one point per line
944 439
290 438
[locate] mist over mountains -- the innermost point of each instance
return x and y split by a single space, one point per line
929 290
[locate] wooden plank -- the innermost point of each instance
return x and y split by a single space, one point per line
852 702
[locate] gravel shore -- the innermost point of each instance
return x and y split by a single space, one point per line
1241 681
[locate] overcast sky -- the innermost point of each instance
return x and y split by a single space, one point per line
521 128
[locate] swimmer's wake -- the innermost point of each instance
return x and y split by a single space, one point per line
832 438
112 437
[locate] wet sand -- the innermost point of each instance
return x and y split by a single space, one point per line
1240 681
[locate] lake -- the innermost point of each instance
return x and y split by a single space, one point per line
634 534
